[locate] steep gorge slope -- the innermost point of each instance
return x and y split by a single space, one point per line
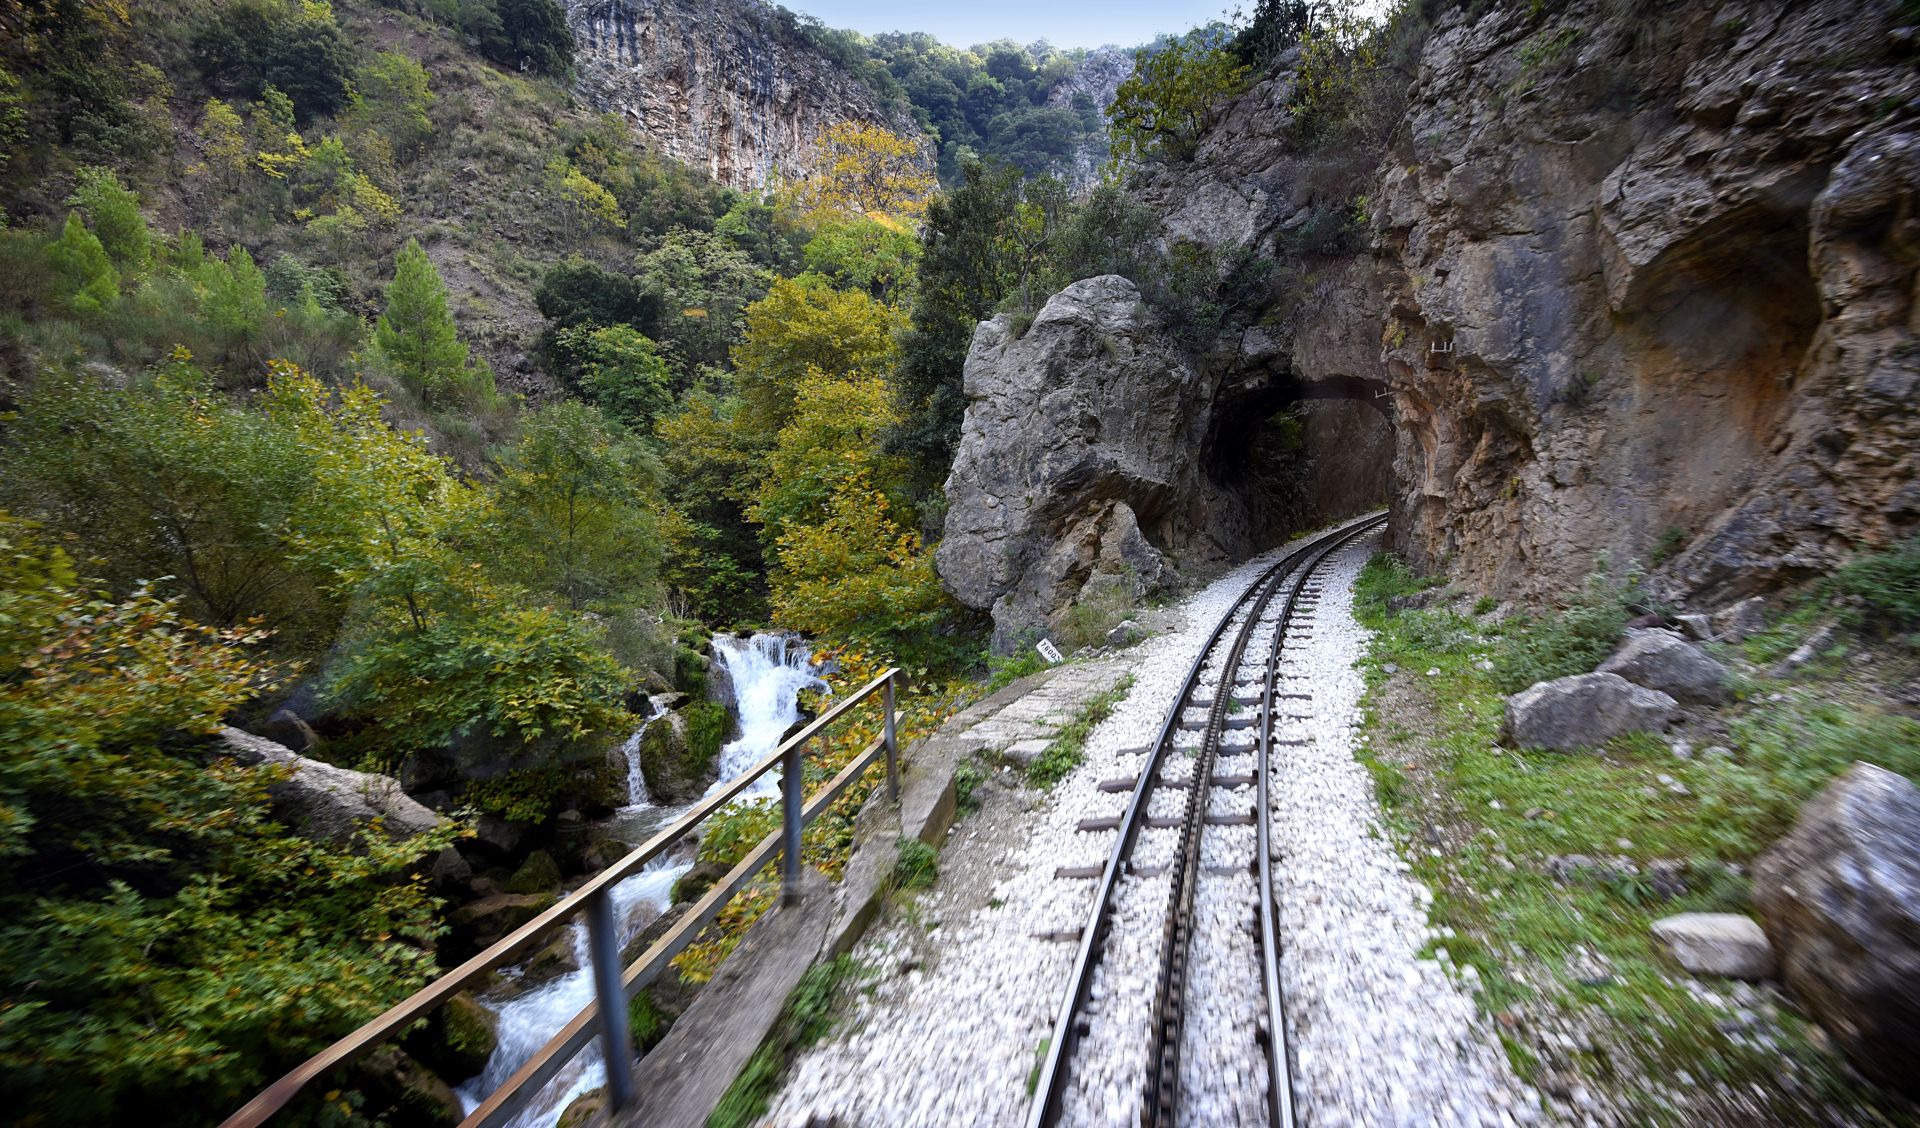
728 88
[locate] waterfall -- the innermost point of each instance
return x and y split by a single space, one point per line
636 779
768 672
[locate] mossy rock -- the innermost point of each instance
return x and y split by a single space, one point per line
696 881
582 1109
457 1040
402 1093
667 760
538 874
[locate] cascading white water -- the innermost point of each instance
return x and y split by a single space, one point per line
636 779
768 672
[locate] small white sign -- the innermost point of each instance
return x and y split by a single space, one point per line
1048 650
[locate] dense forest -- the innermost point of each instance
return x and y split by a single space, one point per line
352 371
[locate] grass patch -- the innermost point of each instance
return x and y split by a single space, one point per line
968 775
1069 748
1573 641
807 1019
915 867
1005 669
1531 936
1886 585
649 1022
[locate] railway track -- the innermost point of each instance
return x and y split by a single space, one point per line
1184 908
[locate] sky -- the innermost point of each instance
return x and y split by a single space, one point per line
1063 23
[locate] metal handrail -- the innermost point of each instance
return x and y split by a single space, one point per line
610 984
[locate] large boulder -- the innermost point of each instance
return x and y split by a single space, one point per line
1723 944
328 803
1584 711
1664 661
457 1038
667 761
1075 429
1840 899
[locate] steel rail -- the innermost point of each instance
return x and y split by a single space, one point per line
1162 1098
1280 1110
422 1002
1051 1080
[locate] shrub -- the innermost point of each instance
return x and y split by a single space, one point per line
164 945
1573 641
1887 584
530 34
293 47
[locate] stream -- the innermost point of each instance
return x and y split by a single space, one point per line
767 673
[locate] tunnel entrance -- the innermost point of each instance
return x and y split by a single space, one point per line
1295 454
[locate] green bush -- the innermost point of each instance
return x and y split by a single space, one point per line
1887 583
707 724
1384 577
1573 641
166 948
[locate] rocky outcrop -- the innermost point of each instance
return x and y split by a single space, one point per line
1096 449
1653 270
1584 711
328 803
732 88
1079 458
1840 900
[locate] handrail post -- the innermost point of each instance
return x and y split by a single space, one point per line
792 821
616 1036
893 740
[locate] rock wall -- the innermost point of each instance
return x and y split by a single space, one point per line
1095 450
1667 256
726 87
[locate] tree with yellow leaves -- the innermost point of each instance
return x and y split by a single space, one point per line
868 171
855 575
223 137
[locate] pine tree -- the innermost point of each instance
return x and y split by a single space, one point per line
416 333
91 283
115 212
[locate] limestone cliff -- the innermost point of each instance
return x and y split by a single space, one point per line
1094 82
1668 260
727 86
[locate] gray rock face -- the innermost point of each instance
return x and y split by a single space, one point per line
1664 661
331 804
1723 944
1079 458
719 85
1688 307
1584 711
1840 899
1095 80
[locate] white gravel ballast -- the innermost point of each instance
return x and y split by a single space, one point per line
953 1019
